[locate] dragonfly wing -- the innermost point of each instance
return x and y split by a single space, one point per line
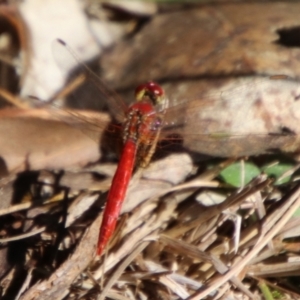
236 120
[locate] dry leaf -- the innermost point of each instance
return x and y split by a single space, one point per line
48 21
44 139
214 41
247 116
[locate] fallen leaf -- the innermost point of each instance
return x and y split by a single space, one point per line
37 139
209 41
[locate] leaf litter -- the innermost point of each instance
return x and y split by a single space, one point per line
169 246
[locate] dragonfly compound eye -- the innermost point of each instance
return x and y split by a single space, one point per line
149 90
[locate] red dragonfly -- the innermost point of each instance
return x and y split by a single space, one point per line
218 126
140 132
206 125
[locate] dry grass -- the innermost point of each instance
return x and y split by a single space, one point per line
168 247
167 244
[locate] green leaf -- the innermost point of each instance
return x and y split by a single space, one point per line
277 170
239 174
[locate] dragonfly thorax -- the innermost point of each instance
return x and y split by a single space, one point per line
144 120
142 123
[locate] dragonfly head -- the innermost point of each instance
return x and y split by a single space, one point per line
153 92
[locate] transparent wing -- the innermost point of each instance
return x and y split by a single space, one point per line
241 117
93 87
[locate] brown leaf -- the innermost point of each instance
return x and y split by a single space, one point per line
43 139
209 41
243 117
